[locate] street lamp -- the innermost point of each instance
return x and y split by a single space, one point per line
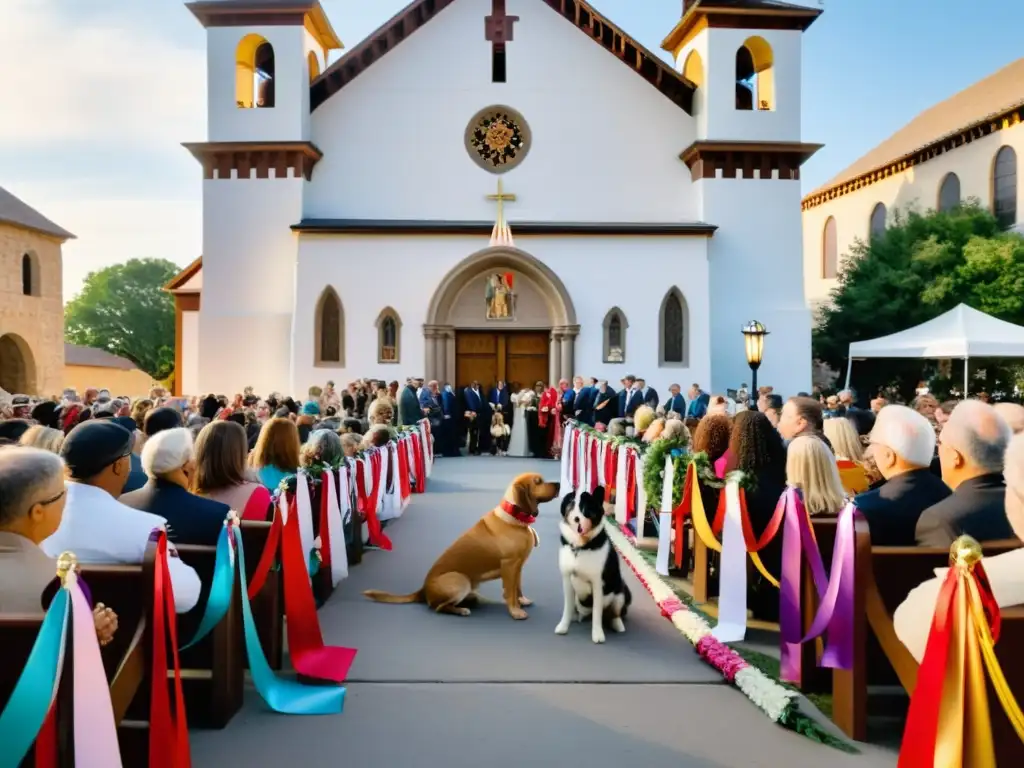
753 337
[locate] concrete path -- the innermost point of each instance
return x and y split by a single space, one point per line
486 691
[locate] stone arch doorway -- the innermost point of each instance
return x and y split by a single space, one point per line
17 366
461 323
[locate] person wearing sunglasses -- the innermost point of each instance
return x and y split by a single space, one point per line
32 498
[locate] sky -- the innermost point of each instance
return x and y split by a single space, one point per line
96 97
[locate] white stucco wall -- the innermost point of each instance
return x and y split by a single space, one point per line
605 142
371 272
189 373
917 187
718 118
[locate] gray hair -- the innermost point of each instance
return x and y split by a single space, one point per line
167 451
978 431
906 433
23 471
617 428
323 444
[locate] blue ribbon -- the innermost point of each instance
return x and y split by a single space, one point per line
219 600
286 696
26 710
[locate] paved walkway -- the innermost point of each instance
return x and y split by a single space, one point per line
452 692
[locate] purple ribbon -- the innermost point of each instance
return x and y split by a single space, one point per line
835 592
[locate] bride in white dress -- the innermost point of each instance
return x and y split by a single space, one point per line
518 445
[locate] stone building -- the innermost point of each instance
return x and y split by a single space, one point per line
31 300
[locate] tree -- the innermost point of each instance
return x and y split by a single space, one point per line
924 265
124 310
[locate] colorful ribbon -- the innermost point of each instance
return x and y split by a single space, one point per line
95 729
835 611
631 494
403 470
368 499
32 699
732 595
592 466
332 529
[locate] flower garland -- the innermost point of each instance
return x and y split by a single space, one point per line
616 440
771 697
654 468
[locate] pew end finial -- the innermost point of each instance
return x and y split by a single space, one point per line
965 552
66 563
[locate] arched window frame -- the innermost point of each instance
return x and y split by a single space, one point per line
763 59
1004 186
662 340
876 222
693 68
945 200
384 357
614 314
30 278
314 65
246 87
830 249
319 360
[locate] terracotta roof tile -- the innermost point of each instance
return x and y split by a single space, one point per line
20 214
997 93
96 358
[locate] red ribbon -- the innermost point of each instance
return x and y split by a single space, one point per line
325 527
46 741
752 542
421 465
631 486
268 557
309 655
593 464
403 470
430 442
611 469
574 458
679 515
168 733
368 502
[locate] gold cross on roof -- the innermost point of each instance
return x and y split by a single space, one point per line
501 198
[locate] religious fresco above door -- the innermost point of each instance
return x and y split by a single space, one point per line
500 296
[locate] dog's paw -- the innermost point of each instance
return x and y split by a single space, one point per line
597 635
518 614
562 628
525 601
618 625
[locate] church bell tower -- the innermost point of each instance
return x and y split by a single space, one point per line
261 60
744 57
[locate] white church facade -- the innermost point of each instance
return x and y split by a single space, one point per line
497 189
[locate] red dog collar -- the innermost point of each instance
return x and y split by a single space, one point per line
517 513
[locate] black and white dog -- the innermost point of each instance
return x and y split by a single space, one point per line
590 567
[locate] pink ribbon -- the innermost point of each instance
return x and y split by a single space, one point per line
835 592
95 731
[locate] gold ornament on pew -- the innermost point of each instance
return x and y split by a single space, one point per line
66 563
965 552
232 518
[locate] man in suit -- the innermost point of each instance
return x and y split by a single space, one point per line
629 398
913 619
971 451
474 403
605 403
699 400
649 395
585 402
409 411
902 442
676 402
499 401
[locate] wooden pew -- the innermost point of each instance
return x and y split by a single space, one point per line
354 527
268 604
884 577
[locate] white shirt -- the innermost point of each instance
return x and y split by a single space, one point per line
100 529
913 619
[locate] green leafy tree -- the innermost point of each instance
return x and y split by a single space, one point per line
924 265
124 310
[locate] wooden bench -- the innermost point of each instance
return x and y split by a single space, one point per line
884 577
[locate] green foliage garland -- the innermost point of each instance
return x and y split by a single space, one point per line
654 469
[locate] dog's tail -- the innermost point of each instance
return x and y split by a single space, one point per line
386 597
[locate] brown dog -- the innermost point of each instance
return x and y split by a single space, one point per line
496 547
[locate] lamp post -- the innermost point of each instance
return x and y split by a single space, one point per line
753 337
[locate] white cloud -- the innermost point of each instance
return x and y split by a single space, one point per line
64 78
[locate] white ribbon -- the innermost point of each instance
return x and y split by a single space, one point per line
621 486
566 479
602 446
732 593
665 520
344 492
386 503
428 448
305 510
336 530
641 496
411 455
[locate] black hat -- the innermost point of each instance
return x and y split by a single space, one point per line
159 419
93 446
46 413
127 422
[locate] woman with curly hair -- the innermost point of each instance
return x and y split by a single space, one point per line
758 452
712 438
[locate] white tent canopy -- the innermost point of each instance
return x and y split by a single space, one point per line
962 332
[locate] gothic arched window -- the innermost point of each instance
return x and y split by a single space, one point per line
330 330
876 227
615 326
673 322
949 193
29 278
389 329
1004 187
830 250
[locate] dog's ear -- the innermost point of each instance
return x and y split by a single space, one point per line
523 498
584 499
567 501
598 495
